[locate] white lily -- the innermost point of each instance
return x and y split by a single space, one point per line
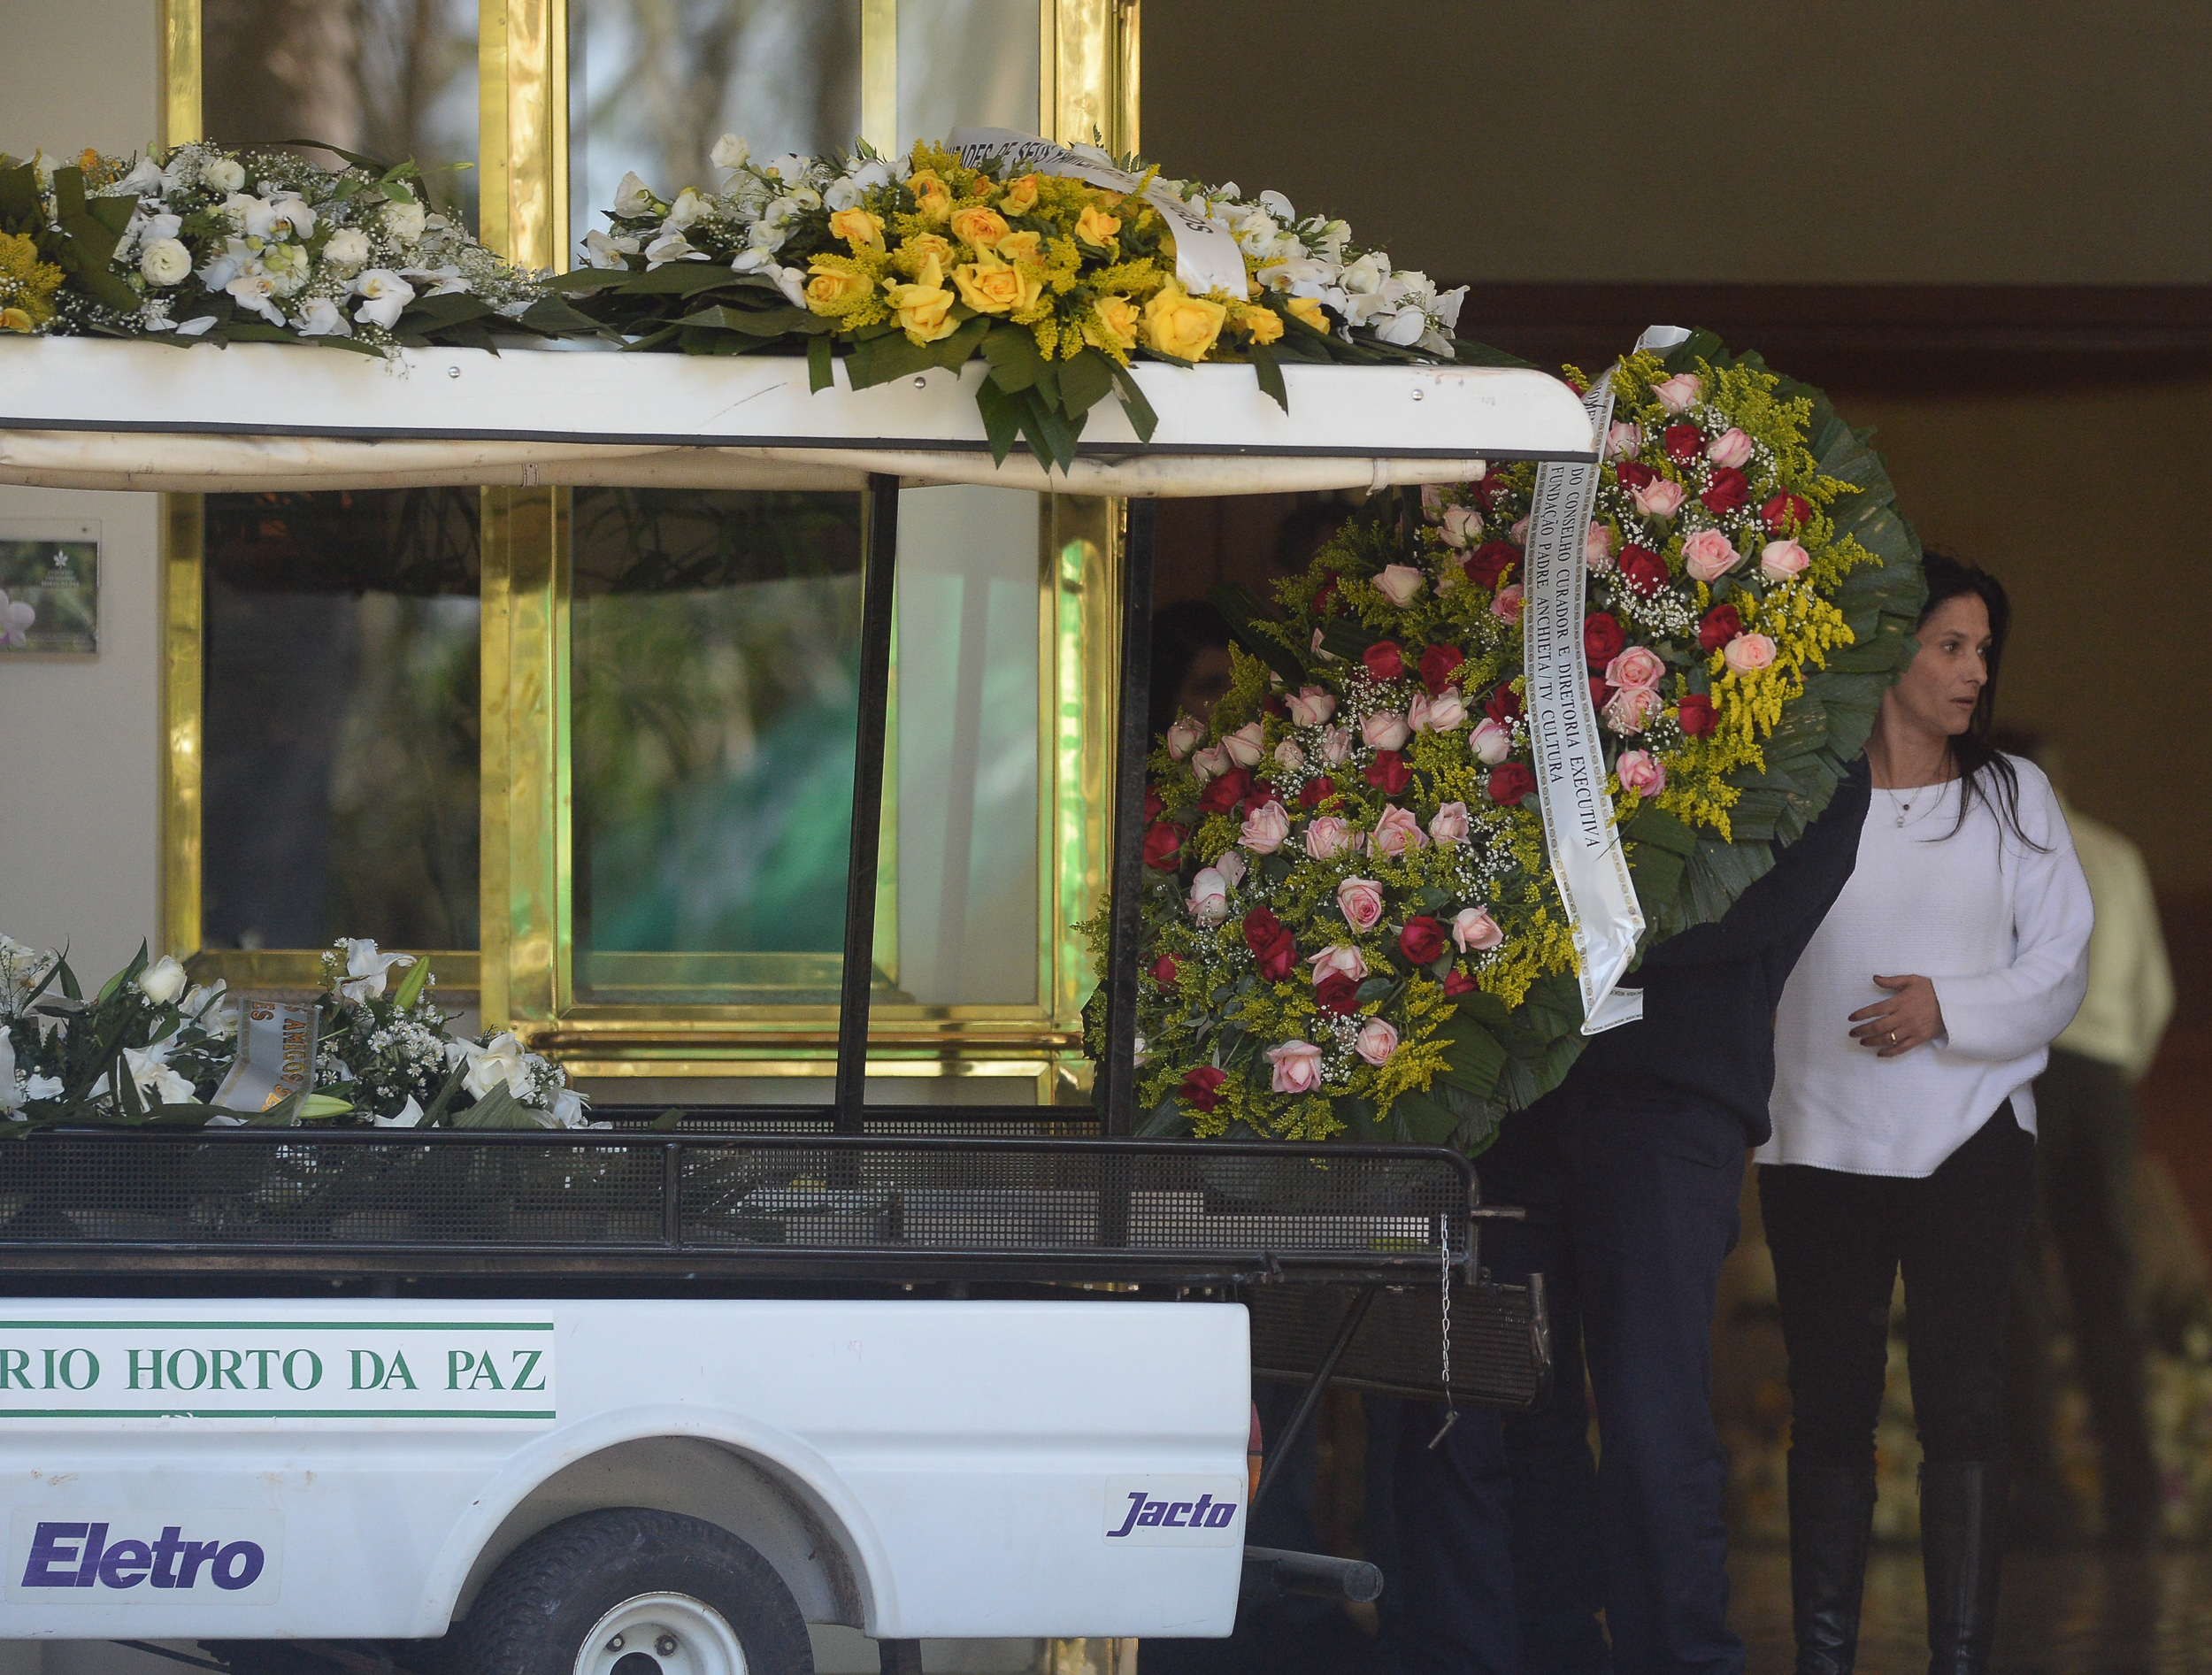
148 1068
409 1114
498 1062
367 970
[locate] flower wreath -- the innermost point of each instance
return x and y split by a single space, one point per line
1349 923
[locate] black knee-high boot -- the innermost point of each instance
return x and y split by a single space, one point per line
1962 1550
1832 1515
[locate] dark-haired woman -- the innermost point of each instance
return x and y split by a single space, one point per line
1906 1044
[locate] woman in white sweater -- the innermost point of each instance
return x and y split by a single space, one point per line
1906 1044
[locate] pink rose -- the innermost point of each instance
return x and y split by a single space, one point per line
1731 447
1623 439
1377 1039
1432 500
1209 901
1310 706
1490 742
1783 560
1401 584
1642 772
1507 605
1336 745
1289 755
1520 532
1327 837
1449 823
1679 393
1448 710
1297 1067
1397 832
1659 498
1183 737
1461 524
1708 555
1597 546
1385 730
1244 746
1264 829
1638 666
1360 902
1475 931
1230 867
1749 653
1631 708
1210 763
1417 712
1338 957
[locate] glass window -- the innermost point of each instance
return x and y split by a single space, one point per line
392 79
966 64
340 777
654 83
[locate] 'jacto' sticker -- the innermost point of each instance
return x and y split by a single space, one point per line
1175 1511
94 1553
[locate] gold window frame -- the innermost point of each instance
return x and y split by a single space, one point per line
524 976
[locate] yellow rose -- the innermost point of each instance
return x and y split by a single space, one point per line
1022 247
1309 310
1021 198
981 227
931 198
923 307
990 287
1095 227
14 319
1178 324
1119 318
829 292
858 228
925 248
1261 324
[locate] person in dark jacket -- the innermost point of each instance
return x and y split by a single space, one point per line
1631 1171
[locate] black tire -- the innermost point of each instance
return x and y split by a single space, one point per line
533 1615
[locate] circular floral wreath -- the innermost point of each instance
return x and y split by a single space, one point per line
1350 925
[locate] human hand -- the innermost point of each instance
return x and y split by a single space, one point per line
1910 1016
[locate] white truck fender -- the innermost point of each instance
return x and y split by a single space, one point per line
759 1482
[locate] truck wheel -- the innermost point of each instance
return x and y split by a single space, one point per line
631 1592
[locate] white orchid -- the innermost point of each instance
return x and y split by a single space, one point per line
671 247
145 179
367 970
16 619
253 292
435 281
602 251
687 208
792 283
323 318
788 168
385 296
225 265
634 196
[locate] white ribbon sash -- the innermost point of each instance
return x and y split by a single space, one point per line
1602 913
276 1055
1207 259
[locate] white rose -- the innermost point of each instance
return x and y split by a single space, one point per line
386 295
323 318
346 252
729 153
165 262
162 982
404 222
632 196
224 174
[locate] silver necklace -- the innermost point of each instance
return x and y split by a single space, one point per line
1902 807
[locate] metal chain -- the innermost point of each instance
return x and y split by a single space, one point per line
1444 1294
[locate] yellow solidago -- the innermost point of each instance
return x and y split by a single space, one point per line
27 284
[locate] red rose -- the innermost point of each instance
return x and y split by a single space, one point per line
1384 660
1318 790
1336 992
1718 627
1730 491
1421 941
1696 715
1153 806
1163 971
1324 599
1643 569
1490 490
1274 705
1503 705
1599 692
1633 474
1164 846
1785 514
1438 664
1224 792
1389 773
1260 794
1493 564
1457 983
1202 1088
1603 639
1683 442
1509 783
1271 944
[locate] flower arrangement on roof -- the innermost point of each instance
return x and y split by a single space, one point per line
895 265
152 1047
1351 926
198 243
